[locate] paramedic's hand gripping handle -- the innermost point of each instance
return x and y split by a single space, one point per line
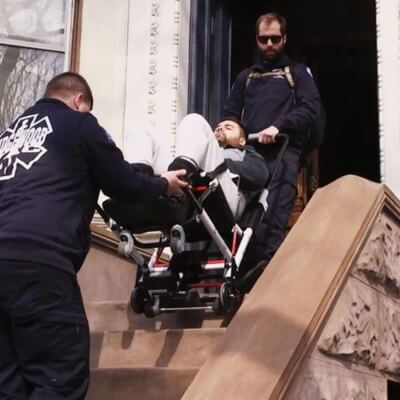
175 184
268 135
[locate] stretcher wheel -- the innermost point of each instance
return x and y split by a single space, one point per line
152 307
126 244
192 299
177 239
228 299
138 300
226 296
217 308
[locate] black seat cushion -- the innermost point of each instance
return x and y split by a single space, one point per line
160 214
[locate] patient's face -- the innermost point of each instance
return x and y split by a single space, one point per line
229 133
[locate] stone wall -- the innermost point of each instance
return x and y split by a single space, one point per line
134 54
358 350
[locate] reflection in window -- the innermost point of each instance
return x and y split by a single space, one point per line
24 74
40 21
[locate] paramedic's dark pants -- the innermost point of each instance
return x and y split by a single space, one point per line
283 190
44 336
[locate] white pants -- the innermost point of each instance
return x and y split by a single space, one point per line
195 140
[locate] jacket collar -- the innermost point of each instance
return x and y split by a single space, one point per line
265 65
50 100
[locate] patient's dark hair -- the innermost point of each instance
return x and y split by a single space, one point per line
242 131
68 83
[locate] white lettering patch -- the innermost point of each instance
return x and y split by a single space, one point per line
23 144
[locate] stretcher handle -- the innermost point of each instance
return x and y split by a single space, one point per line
284 138
252 137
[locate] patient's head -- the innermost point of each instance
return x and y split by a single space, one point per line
230 133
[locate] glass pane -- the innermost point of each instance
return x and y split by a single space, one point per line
41 21
24 74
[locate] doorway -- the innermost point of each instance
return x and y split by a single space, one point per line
337 40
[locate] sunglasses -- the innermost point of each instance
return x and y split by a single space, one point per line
275 39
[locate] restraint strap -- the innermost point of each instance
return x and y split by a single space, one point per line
217 171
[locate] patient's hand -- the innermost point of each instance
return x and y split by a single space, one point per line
175 184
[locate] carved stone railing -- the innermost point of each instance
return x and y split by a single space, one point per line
365 326
323 321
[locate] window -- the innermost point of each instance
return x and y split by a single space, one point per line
34 47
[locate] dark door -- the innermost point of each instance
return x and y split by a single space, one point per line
336 39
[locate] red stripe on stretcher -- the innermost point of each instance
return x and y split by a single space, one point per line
204 285
215 262
159 265
234 242
198 188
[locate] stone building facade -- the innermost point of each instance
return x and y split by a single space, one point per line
358 352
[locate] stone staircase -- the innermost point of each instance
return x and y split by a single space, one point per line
151 365
133 357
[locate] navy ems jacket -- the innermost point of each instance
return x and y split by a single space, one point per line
269 101
53 162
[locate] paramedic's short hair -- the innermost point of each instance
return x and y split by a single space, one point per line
67 83
271 17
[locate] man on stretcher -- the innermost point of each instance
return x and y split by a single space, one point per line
240 171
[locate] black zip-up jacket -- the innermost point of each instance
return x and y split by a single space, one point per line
53 162
250 167
269 101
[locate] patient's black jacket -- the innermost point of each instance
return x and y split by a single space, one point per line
53 163
248 165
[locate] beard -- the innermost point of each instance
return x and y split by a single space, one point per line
221 139
271 55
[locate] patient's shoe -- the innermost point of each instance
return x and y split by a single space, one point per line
186 163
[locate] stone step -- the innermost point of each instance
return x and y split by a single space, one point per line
140 383
118 316
106 276
187 348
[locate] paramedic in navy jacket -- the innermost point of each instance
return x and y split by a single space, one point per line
54 159
266 103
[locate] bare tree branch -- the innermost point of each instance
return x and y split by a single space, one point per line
7 66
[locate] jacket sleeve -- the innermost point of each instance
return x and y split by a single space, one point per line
234 104
307 108
253 171
116 177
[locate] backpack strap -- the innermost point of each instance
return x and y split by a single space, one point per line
289 76
256 75
286 72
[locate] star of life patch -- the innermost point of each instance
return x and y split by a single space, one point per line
22 145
